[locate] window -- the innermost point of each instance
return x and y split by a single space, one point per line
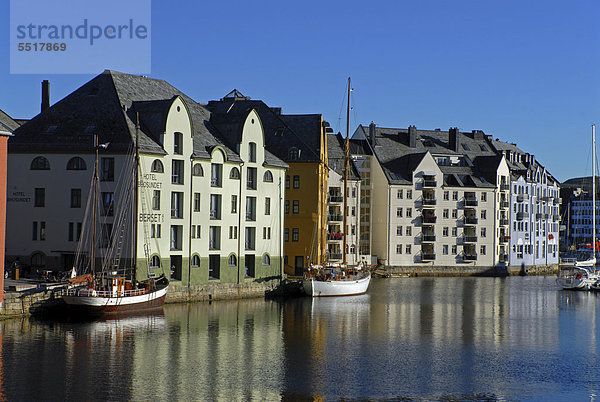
252 152
295 234
266 233
105 235
398 248
409 230
296 207
155 262
216 175
176 237
483 213
286 234
454 231
74 236
197 170
76 163
267 206
251 179
233 232
108 200
455 196
232 260
156 200
409 194
234 204
40 163
251 208
445 231
398 230
446 213
454 213
155 231
399 194
407 249
250 238
482 250
287 182
268 177
178 144
234 174
409 212
75 198
483 196
399 212
176 205
454 249
157 166
214 238
482 232
445 249
107 169
177 173
296 181
287 206
195 261
266 260
215 206
446 195
197 202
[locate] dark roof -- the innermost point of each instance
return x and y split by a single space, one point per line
336 154
282 132
107 105
7 123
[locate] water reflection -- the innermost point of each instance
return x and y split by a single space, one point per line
454 338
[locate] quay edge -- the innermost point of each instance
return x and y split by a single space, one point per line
495 271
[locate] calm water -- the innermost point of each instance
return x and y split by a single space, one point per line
430 338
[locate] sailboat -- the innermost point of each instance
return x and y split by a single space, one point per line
583 275
334 279
113 288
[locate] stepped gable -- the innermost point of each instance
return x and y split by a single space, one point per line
229 113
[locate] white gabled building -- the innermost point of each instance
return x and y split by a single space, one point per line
210 196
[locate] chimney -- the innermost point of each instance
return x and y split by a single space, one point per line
412 136
372 138
454 139
45 95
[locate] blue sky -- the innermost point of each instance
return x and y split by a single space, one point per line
523 71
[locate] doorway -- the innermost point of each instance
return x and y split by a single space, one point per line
176 262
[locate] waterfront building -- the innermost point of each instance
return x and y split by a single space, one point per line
7 126
429 197
581 221
210 195
534 209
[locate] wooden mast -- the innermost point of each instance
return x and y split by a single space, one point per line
135 196
346 165
95 206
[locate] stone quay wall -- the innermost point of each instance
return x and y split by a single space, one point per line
218 291
467 270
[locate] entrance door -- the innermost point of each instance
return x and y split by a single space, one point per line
250 262
299 266
176 267
214 266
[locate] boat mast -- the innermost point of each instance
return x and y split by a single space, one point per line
594 192
136 195
346 165
95 205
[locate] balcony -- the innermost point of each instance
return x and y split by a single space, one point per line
522 215
522 197
427 256
335 236
427 238
335 256
470 239
428 183
504 222
557 200
335 218
336 198
504 187
470 257
429 201
428 218
504 239
470 202
470 220
504 204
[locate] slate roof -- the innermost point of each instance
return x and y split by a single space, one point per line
107 105
282 132
336 155
399 160
7 123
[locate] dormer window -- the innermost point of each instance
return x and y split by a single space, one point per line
40 163
293 153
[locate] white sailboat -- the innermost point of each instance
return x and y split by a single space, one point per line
332 279
114 288
583 275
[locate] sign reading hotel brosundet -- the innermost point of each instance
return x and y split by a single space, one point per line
79 37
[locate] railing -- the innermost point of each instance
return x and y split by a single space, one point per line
335 236
470 202
429 218
335 256
105 293
470 239
335 218
522 215
428 238
504 222
470 221
504 204
427 256
504 187
429 201
336 198
470 257
522 197
429 183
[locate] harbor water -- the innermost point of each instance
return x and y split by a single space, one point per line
416 338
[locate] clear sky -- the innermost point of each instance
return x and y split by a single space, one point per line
523 71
